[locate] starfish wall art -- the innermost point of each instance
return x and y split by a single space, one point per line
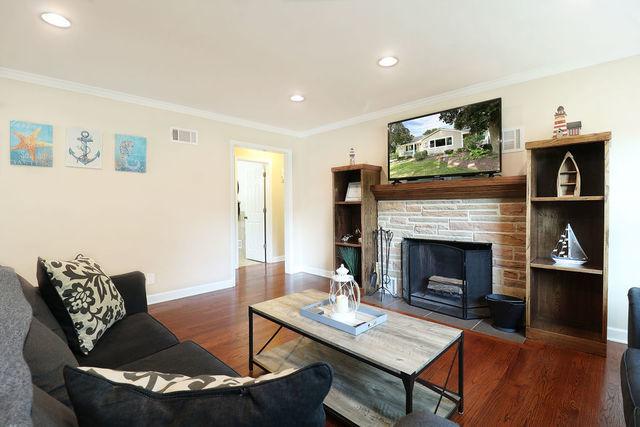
31 144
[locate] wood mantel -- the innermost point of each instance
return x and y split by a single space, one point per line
499 187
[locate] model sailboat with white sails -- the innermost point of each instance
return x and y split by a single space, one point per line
568 251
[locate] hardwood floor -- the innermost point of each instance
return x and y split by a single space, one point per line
506 384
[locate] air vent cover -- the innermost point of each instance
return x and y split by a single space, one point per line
512 140
184 136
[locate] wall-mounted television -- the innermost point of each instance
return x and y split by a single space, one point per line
461 141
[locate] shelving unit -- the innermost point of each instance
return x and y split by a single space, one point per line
567 305
347 216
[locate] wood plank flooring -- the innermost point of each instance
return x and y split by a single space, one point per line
506 384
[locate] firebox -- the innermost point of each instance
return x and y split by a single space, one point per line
452 278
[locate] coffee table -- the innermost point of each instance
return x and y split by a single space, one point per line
376 374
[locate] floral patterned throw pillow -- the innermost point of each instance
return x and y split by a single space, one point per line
171 383
89 296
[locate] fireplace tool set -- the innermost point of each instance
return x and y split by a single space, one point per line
379 279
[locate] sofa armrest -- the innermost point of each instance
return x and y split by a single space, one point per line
132 288
424 419
633 331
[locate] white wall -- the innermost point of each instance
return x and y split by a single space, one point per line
603 97
173 221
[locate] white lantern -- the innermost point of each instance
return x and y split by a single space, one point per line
344 296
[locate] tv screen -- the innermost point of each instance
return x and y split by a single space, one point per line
460 141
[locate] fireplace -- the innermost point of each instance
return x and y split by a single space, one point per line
447 277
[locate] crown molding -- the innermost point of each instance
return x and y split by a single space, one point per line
473 89
470 90
38 79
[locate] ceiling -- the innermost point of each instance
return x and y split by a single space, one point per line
245 58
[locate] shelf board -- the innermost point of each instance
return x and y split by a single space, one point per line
350 245
468 188
349 203
569 140
549 264
567 330
568 199
359 166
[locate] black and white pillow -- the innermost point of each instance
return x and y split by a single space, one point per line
88 295
159 382
102 397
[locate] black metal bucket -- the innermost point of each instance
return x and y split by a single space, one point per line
507 312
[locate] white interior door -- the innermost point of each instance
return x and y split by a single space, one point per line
251 195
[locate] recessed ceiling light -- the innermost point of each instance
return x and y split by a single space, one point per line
297 98
55 20
388 61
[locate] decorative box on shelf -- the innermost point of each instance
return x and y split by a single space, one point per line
365 318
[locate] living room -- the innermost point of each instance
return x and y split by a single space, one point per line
122 121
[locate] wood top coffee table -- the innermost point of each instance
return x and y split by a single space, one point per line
375 373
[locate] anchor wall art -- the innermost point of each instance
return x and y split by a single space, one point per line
131 153
31 144
84 148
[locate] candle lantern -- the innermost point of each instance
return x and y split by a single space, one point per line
344 295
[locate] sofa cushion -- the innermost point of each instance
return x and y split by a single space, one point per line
99 401
46 354
40 309
48 412
134 337
186 358
630 381
15 383
88 295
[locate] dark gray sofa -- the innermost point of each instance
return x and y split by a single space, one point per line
630 364
138 343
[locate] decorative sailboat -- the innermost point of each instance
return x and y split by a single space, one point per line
568 181
568 251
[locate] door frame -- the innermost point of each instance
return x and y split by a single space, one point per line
289 242
268 235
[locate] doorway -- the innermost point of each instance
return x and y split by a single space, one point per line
252 211
259 209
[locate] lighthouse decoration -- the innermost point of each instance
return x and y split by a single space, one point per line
560 123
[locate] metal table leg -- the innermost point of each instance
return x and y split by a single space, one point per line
461 373
408 382
250 339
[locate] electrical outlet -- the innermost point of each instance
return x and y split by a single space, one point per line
150 278
239 244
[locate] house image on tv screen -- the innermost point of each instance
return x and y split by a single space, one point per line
436 142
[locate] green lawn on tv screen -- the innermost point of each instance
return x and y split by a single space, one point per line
407 168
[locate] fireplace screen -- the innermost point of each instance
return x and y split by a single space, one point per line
448 277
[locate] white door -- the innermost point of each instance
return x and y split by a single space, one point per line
251 193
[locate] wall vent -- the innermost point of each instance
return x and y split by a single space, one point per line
512 140
184 136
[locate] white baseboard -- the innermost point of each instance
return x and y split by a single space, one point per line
278 258
190 291
617 335
315 271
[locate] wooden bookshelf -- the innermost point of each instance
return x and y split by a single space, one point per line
567 305
363 214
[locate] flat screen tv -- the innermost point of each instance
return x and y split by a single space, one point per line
460 141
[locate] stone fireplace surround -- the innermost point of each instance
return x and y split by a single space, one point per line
498 221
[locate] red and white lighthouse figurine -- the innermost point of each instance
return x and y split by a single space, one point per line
560 123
